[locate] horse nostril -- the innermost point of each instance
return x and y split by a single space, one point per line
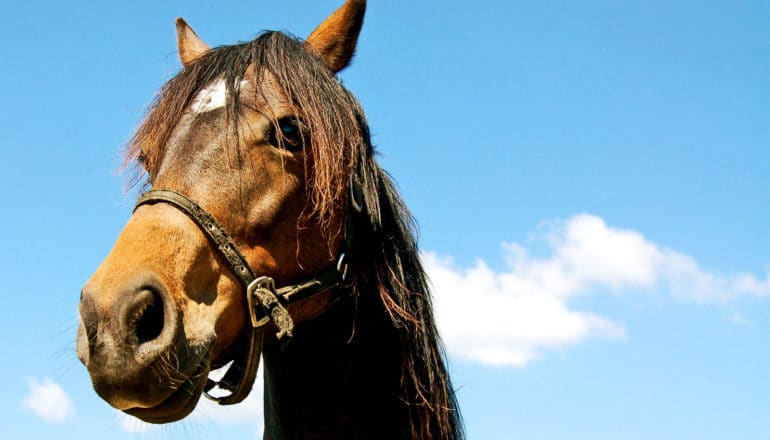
148 316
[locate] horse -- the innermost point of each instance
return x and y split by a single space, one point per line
259 172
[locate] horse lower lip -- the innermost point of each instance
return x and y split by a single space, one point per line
180 403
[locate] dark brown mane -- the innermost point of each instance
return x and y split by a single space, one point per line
387 258
389 274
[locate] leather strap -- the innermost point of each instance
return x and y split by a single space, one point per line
208 225
265 302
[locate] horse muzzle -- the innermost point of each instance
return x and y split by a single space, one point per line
136 354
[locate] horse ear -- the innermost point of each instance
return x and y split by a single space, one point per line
335 39
190 46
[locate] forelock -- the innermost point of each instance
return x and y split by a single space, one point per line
339 134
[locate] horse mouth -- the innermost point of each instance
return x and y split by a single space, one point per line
180 403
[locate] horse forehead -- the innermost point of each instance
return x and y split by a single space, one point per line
214 95
199 139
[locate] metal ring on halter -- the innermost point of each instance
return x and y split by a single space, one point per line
342 267
255 306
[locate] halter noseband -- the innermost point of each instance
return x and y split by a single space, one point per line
265 302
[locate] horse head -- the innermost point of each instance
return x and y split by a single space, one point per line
263 138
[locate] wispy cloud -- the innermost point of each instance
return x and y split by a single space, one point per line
511 317
738 319
48 400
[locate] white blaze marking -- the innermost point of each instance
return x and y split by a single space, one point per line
210 98
214 96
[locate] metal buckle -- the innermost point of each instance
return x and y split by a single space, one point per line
255 306
342 267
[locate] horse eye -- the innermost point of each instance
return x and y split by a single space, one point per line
293 134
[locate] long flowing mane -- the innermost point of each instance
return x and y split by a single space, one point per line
390 283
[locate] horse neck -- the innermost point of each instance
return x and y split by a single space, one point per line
338 378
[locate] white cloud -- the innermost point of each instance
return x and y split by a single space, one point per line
738 319
48 400
511 317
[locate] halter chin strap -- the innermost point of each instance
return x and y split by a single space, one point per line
265 302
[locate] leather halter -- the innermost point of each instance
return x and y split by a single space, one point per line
265 302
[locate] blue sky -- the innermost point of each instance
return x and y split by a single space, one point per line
596 172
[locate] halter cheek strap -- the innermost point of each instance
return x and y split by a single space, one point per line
265 302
